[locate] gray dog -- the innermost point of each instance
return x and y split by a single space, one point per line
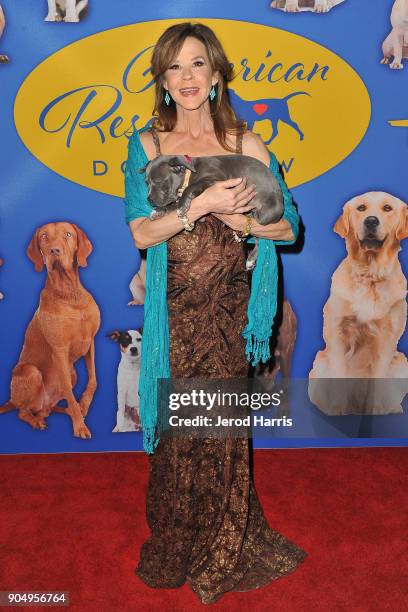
165 176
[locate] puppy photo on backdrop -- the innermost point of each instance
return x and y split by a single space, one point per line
277 371
70 11
174 180
395 46
138 283
296 6
3 58
366 313
130 345
61 331
281 360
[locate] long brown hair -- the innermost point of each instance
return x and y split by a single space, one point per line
166 49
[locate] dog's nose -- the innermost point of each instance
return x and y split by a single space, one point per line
133 350
55 251
371 222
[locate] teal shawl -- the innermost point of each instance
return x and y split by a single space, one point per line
155 345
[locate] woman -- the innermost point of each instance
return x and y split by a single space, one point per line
207 525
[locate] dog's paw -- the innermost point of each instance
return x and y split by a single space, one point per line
4 59
385 60
396 65
321 7
292 6
250 265
39 424
51 17
81 431
71 19
156 214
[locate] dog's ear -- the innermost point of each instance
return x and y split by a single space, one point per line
115 335
143 169
140 330
85 247
178 162
33 252
342 225
401 231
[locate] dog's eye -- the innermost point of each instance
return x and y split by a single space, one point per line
43 236
68 234
362 207
387 208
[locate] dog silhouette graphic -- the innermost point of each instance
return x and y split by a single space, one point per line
271 109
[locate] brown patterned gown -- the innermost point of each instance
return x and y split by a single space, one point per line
207 525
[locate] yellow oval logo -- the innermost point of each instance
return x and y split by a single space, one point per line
76 110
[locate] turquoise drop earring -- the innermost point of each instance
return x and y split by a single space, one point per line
213 93
167 98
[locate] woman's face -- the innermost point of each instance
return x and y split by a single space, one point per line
189 77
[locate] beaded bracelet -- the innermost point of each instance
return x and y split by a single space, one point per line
184 219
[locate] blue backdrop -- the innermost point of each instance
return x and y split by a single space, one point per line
31 194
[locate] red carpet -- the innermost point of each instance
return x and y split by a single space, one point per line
75 522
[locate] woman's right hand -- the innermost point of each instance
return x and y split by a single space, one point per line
227 197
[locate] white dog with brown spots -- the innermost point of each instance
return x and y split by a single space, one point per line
396 44
295 6
65 10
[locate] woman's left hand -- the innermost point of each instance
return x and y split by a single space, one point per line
282 230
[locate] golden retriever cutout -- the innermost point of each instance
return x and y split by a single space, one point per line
366 313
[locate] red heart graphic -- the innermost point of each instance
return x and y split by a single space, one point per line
260 109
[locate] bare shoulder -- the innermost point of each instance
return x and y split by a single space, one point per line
146 139
253 146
